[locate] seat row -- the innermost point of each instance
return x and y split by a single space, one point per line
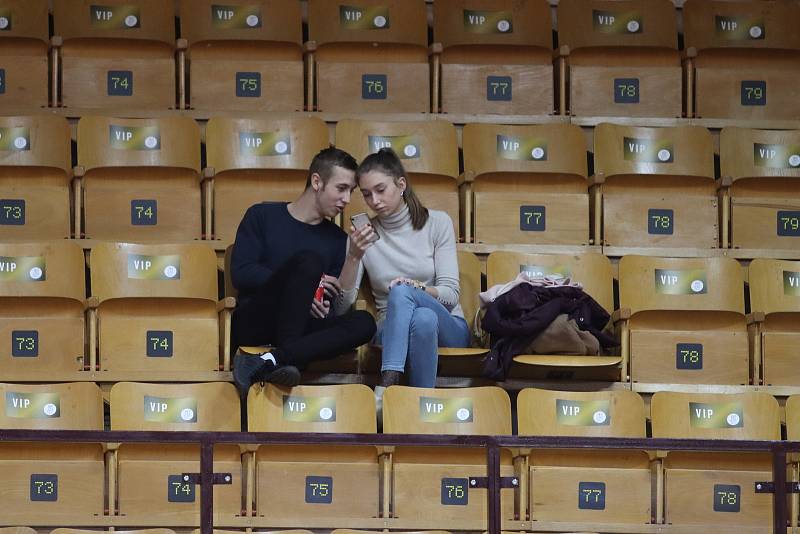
622 59
317 486
140 180
153 314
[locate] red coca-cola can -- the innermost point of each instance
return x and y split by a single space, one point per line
320 293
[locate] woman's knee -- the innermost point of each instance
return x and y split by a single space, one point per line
424 322
400 295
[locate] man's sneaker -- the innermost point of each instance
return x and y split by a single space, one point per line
283 375
247 370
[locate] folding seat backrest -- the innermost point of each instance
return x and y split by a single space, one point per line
35 172
24 35
52 477
141 179
525 184
253 160
42 303
428 151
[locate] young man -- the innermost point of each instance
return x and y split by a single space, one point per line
282 254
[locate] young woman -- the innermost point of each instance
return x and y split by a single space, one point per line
409 255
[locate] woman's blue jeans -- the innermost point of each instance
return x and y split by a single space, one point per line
416 324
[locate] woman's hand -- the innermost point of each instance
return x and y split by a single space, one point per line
406 281
360 241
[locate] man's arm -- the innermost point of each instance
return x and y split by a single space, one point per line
247 271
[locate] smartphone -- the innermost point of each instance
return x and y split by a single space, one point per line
360 220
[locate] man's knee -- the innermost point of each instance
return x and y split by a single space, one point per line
424 322
363 325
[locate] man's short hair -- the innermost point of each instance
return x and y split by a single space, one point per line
324 162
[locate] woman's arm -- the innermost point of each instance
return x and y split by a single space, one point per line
446 288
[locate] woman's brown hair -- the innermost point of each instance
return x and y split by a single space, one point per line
386 161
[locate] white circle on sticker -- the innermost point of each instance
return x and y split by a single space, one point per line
325 413
187 414
20 142
252 21
755 32
633 26
379 21
170 271
794 160
281 147
3 23
462 414
733 419
131 21
150 141
697 286
503 26
49 409
599 417
35 273
410 151
537 153
664 155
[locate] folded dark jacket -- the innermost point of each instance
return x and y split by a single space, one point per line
516 318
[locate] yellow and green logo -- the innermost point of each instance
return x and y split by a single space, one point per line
142 267
539 271
648 150
776 156
452 410
265 143
309 409
134 137
364 18
15 139
405 146
791 283
617 23
23 269
518 148
170 410
716 415
5 19
583 413
681 282
739 28
122 17
243 17
33 405
488 21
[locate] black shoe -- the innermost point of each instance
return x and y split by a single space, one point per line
283 375
247 370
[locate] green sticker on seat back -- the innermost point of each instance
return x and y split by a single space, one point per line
134 137
776 156
170 410
405 146
791 283
617 22
488 21
23 269
265 143
741 28
141 267
15 139
364 18
245 17
583 413
33 405
519 148
445 410
716 415
118 17
648 150
681 281
309 409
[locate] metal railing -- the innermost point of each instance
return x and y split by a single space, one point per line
493 445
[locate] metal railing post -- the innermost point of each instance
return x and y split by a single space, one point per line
206 486
493 516
779 480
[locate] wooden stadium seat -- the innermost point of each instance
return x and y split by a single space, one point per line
243 57
621 58
428 151
654 187
368 56
51 483
253 160
431 485
493 56
525 184
24 38
35 173
155 313
42 311
149 486
612 486
17 530
120 53
139 179
713 491
744 58
594 273
774 326
761 205
312 485
117 531
685 320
